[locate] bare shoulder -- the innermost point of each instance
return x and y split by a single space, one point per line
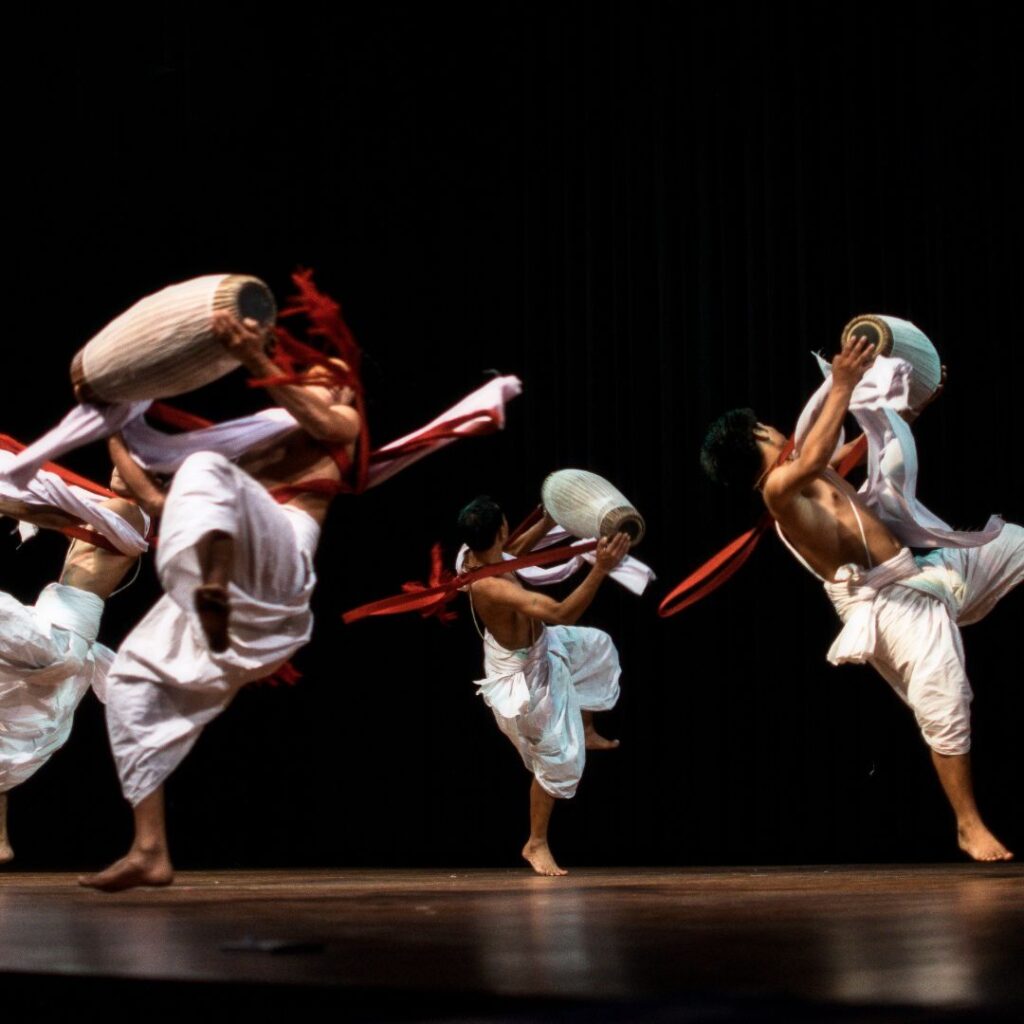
128 511
497 590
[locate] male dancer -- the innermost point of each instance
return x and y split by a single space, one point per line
48 653
236 567
545 676
901 613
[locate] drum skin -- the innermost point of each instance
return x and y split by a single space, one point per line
164 344
587 505
902 340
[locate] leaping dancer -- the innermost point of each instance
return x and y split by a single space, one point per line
901 612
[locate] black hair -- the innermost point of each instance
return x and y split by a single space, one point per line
730 455
479 523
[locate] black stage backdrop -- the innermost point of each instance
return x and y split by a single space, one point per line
649 212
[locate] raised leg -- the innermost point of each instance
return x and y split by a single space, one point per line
216 559
6 852
975 840
148 862
536 850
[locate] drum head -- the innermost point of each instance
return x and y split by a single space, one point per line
255 301
874 328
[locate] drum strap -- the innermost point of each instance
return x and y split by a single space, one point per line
723 566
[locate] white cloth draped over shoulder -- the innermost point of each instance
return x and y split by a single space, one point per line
902 616
49 658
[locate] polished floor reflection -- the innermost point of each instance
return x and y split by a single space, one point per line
944 938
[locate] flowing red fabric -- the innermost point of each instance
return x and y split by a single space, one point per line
429 598
724 565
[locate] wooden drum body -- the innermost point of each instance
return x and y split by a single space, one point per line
587 505
902 340
164 345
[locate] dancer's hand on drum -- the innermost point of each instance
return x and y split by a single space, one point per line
852 362
610 551
245 339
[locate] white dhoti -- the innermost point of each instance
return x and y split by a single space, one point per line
166 684
903 617
48 659
538 694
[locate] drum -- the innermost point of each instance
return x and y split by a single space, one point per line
164 344
587 505
902 340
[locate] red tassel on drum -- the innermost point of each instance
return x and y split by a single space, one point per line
305 364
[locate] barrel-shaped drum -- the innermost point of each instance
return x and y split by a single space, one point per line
587 505
164 344
902 340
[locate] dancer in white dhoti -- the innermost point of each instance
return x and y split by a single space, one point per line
901 612
545 677
237 570
49 657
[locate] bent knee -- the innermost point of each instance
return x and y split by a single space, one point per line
949 735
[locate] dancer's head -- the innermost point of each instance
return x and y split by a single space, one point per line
482 524
738 448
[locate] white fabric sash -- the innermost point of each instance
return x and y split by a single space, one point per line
48 490
890 490
21 477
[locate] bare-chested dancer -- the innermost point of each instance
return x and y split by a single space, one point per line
48 653
236 567
545 676
912 607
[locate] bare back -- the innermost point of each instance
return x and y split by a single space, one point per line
96 569
291 460
509 626
822 524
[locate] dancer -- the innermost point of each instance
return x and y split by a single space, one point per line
237 570
49 656
545 676
901 613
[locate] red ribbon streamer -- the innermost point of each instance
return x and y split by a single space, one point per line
724 565
428 599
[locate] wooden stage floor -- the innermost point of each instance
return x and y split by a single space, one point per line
876 943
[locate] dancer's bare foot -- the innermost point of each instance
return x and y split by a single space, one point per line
6 853
538 855
212 607
977 842
139 867
595 741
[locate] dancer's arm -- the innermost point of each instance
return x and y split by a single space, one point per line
144 488
323 412
848 366
610 551
525 543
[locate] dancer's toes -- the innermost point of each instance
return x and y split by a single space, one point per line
6 853
595 741
978 843
213 608
137 868
538 856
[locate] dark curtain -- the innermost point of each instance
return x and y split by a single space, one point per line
651 212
